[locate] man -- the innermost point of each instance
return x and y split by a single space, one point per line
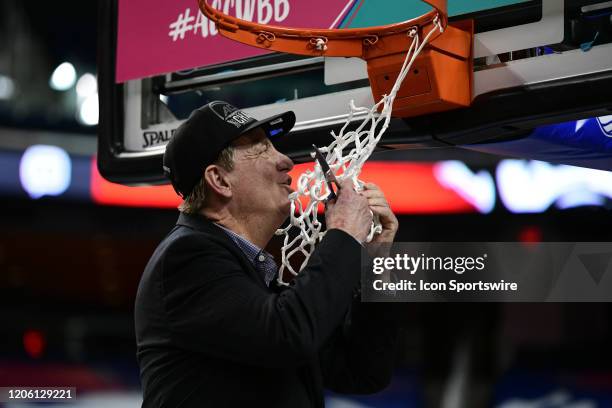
212 328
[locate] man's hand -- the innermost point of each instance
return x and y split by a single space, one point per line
349 212
379 206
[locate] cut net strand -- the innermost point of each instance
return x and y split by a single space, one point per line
358 144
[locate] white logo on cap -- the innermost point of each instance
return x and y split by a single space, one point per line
227 110
230 114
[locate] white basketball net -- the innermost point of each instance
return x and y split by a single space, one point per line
360 143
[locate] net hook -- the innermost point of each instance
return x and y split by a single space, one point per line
370 40
266 37
319 43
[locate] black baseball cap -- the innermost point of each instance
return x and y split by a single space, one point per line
209 129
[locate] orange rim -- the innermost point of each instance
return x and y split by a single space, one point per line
368 35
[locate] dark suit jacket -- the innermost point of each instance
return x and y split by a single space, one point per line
210 333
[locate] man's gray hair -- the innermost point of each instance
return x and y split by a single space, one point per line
194 202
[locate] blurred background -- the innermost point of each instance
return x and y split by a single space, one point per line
73 247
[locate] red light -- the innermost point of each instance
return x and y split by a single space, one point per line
34 343
410 188
530 234
106 193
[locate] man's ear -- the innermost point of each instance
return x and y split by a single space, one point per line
217 180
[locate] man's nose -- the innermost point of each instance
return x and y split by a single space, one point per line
284 163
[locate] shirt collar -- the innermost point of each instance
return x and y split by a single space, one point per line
261 260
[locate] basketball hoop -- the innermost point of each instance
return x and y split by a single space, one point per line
441 78
352 42
418 66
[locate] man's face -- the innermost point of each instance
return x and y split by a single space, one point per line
260 180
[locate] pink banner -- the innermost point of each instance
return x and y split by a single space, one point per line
161 36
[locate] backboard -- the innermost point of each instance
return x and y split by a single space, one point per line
536 63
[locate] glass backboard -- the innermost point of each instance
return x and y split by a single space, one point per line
535 63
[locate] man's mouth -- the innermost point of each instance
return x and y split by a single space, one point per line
287 183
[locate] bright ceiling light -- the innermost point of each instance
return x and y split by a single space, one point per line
88 111
64 77
7 87
86 85
45 170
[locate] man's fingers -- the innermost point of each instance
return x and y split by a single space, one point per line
380 209
377 201
372 193
376 198
386 216
344 183
344 187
